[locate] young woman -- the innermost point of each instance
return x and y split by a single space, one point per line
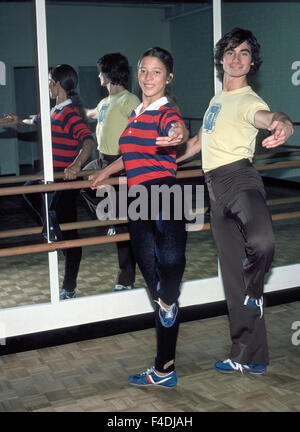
68 129
158 244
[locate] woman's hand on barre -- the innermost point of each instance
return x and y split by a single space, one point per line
71 172
102 175
97 179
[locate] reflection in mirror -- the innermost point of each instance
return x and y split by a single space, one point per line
95 269
98 271
25 277
99 266
72 144
287 235
201 256
21 93
19 150
24 280
284 204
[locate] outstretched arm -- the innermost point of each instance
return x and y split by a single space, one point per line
113 168
13 119
278 123
178 134
193 146
91 114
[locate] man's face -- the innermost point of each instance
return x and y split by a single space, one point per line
237 61
103 79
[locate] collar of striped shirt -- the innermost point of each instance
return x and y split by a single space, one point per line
61 105
154 106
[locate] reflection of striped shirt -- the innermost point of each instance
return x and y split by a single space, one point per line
143 159
67 130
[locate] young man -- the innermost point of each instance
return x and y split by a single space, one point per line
112 115
240 220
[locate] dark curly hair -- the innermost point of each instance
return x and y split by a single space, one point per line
115 66
235 37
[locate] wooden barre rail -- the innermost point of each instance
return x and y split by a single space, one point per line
277 165
97 223
279 201
78 184
286 216
81 184
64 227
277 155
56 175
287 150
50 247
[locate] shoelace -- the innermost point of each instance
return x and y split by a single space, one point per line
111 231
259 303
236 366
169 311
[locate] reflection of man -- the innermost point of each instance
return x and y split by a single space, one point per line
112 115
240 220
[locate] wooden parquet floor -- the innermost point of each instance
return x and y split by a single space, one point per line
91 375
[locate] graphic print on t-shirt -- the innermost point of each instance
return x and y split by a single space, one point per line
102 113
210 117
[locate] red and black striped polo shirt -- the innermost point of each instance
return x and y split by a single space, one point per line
143 159
67 130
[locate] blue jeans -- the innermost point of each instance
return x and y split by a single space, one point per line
159 249
63 205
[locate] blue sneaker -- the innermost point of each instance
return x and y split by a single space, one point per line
118 288
229 366
255 303
150 377
167 315
66 295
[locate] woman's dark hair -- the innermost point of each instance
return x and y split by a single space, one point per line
163 55
115 66
68 79
235 37
166 58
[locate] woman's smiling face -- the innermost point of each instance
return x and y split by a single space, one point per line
153 78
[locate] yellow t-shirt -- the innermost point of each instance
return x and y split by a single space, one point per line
113 114
228 131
